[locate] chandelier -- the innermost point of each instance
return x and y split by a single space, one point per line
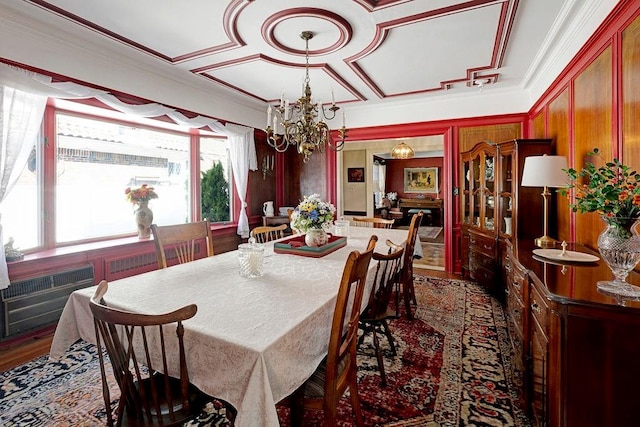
301 123
402 151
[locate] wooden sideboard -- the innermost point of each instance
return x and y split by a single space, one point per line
436 205
574 351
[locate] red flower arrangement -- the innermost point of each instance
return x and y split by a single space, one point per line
144 193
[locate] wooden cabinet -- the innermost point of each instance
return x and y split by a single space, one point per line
576 348
516 302
494 207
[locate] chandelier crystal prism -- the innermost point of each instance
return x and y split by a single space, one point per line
302 123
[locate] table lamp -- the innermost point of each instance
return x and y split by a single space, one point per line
545 171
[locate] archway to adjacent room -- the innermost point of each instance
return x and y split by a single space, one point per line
365 168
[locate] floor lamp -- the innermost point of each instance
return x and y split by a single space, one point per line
545 171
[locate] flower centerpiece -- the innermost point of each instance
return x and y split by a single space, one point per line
140 197
613 192
313 217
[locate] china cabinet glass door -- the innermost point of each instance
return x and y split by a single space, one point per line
507 189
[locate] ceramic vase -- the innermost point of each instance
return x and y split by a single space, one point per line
316 237
144 219
619 246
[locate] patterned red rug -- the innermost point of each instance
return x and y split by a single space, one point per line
449 371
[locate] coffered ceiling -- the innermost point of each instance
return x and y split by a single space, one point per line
385 54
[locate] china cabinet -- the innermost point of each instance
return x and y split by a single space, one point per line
494 207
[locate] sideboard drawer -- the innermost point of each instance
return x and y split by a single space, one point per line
483 244
539 308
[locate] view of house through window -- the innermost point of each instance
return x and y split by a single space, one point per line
95 161
98 160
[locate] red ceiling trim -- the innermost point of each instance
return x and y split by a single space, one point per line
270 24
259 57
230 23
383 29
230 18
372 5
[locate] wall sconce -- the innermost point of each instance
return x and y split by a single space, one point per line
268 163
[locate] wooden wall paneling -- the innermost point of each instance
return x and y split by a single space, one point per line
593 128
312 176
470 136
630 96
558 130
260 189
291 171
539 125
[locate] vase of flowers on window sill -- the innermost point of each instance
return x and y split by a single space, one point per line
613 192
313 217
139 197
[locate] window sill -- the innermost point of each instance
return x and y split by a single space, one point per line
102 245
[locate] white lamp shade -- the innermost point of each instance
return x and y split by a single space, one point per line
545 171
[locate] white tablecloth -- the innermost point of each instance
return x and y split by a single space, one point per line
252 341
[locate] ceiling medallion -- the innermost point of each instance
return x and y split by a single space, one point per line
301 123
402 151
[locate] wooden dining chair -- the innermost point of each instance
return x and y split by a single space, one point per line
372 222
267 233
409 293
182 242
147 396
338 371
375 317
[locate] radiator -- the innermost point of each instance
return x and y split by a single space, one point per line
31 304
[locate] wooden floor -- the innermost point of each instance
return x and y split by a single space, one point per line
13 355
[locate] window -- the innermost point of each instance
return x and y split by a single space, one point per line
215 183
21 208
97 160
92 155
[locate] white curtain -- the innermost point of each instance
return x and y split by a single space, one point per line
21 115
382 177
23 90
243 157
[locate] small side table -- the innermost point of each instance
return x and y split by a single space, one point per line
275 220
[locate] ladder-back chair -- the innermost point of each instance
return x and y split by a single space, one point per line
339 370
267 233
186 241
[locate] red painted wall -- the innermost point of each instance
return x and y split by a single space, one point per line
395 174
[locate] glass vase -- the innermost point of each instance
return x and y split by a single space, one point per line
619 246
144 219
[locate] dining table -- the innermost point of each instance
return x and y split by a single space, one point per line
253 341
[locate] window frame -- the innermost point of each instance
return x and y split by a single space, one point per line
47 221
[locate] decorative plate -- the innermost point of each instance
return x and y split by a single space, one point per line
569 256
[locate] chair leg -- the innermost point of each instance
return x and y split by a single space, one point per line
387 332
296 409
376 346
355 399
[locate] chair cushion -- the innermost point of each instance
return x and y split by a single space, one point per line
314 387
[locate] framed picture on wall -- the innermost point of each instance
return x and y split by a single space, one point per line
355 174
421 180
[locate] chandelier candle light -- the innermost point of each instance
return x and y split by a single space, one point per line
301 122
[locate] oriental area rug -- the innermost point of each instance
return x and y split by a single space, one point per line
450 370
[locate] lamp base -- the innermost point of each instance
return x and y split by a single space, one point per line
545 242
